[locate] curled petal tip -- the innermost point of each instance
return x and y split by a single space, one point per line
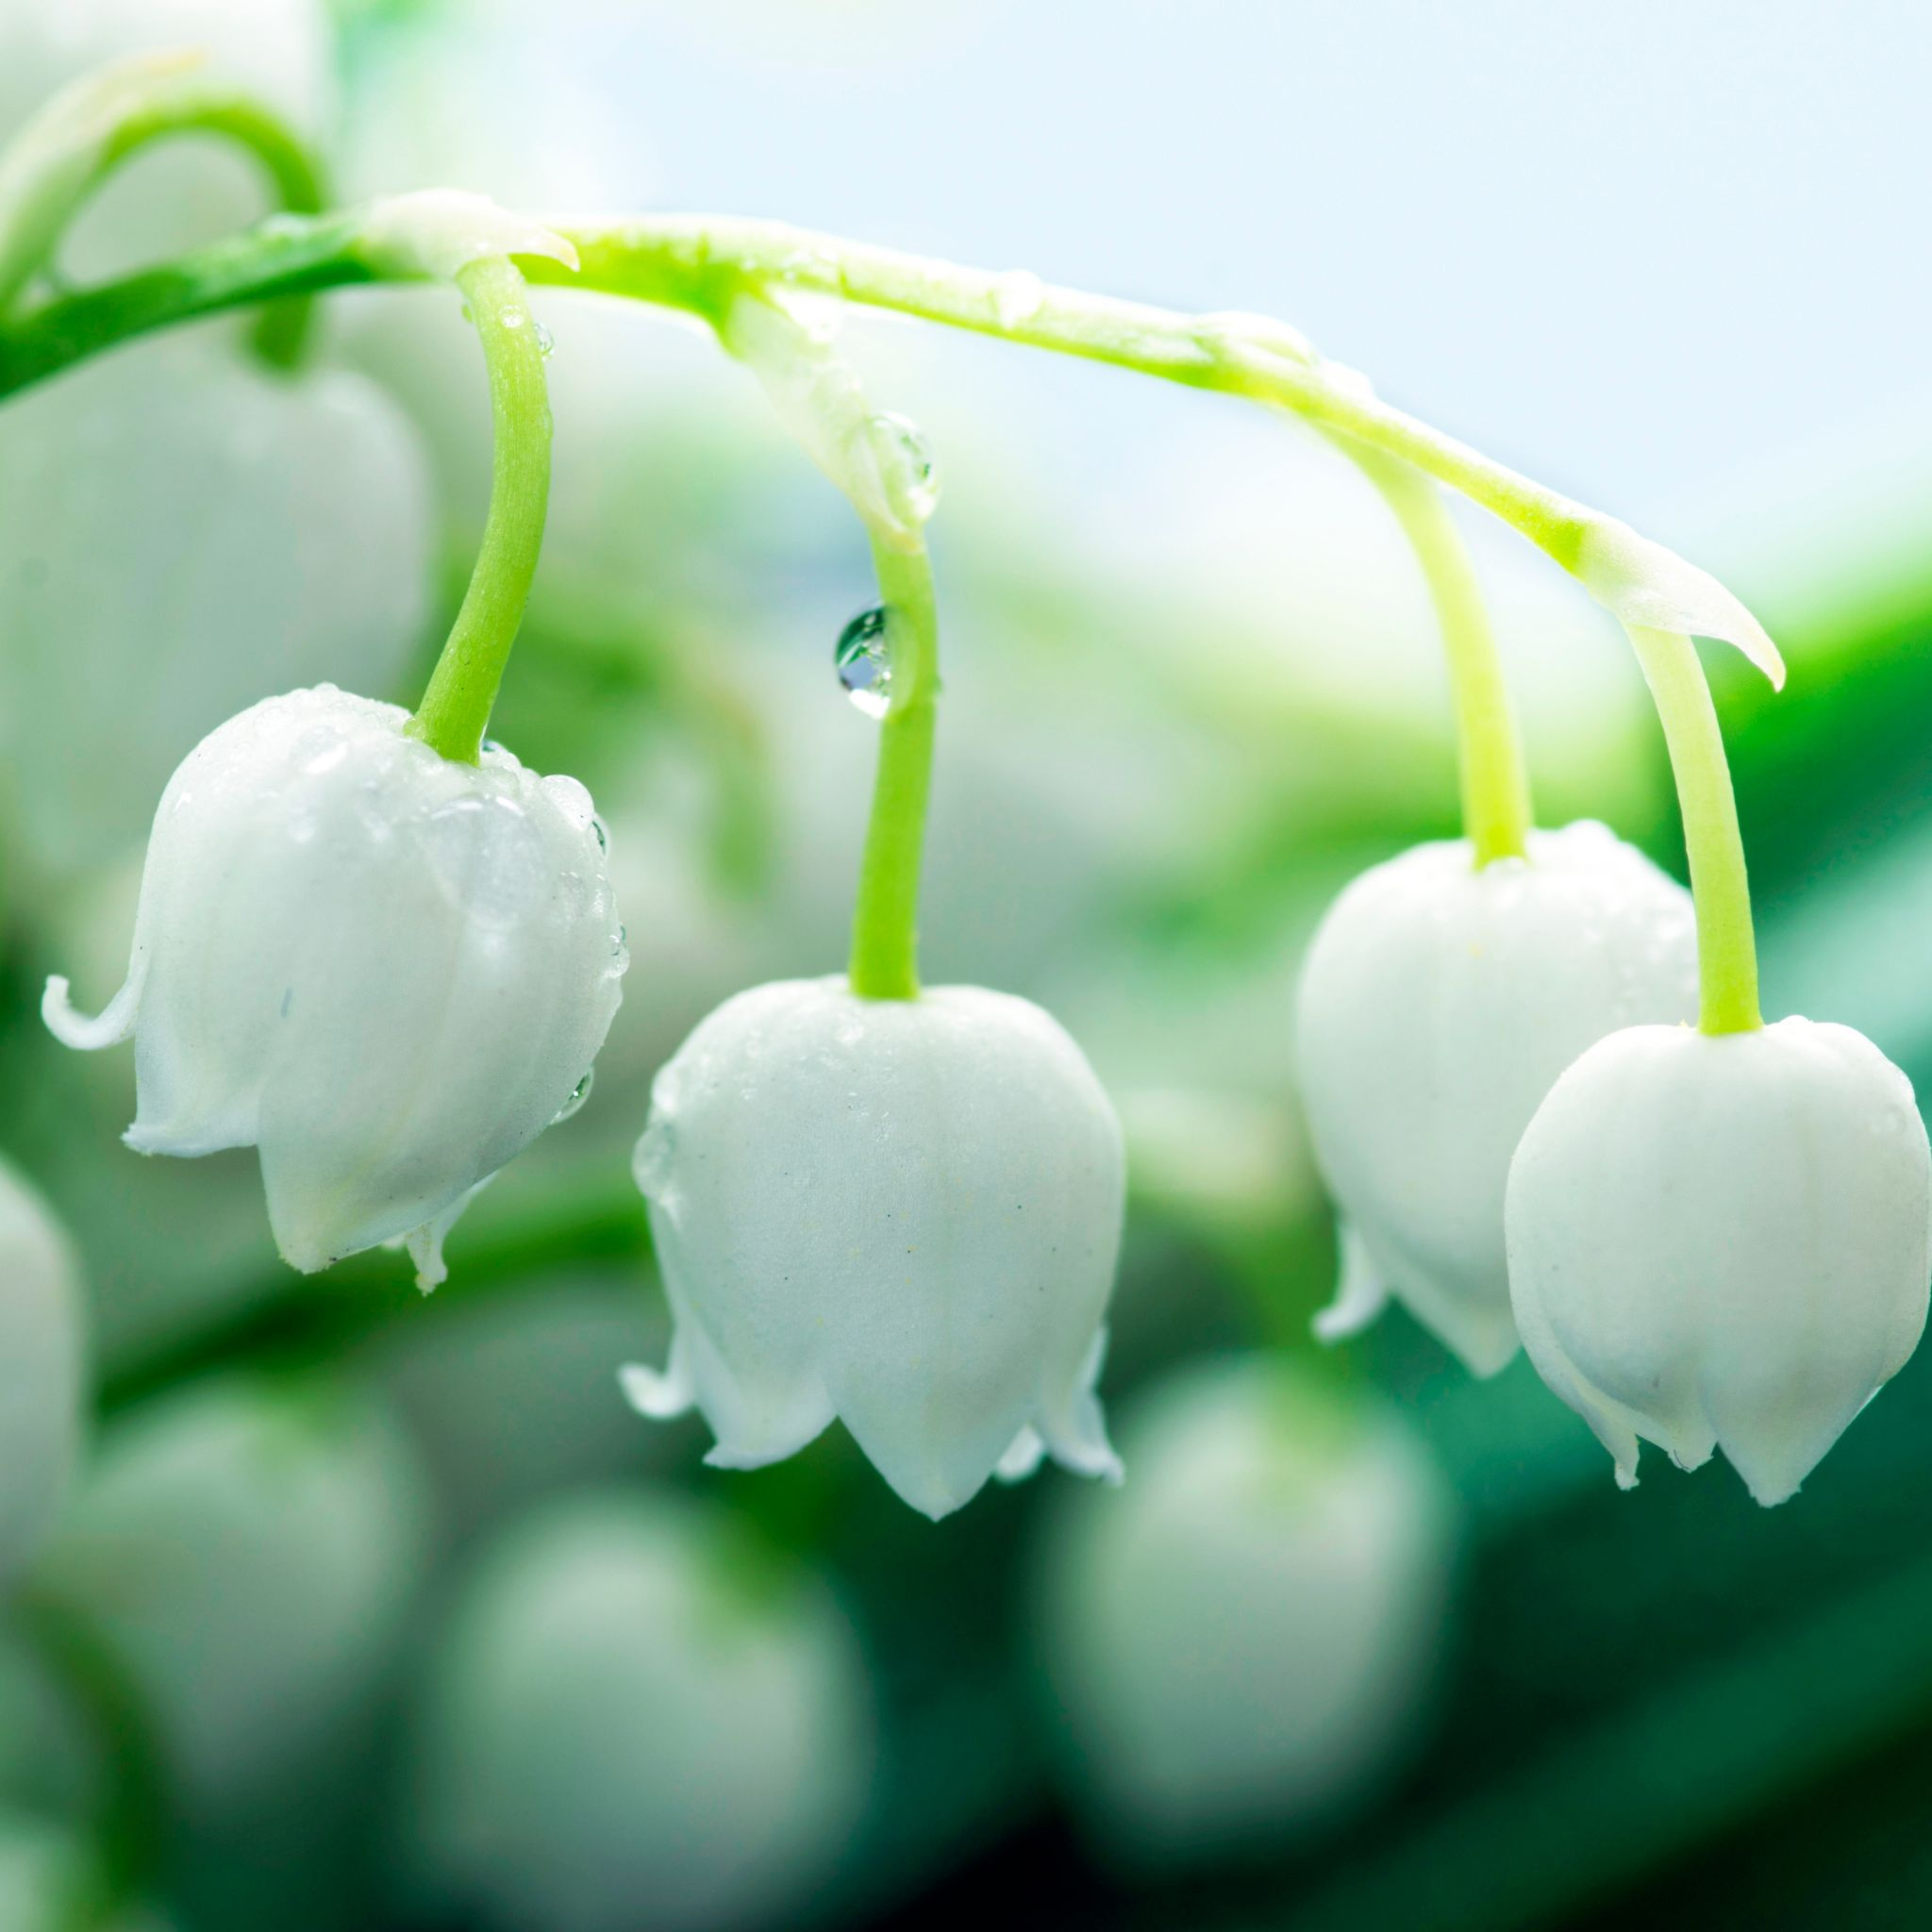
1021 1459
661 1398
1360 1293
110 1027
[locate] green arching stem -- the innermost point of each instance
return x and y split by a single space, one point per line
693 261
1496 811
86 137
698 264
885 920
454 712
1726 951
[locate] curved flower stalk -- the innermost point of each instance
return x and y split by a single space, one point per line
386 970
1241 1643
131 76
634 1716
1720 1241
897 1208
41 1369
1438 1003
900 1213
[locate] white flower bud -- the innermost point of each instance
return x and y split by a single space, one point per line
636 1719
904 1214
1242 1639
1722 1241
249 1555
1438 1006
41 1369
386 970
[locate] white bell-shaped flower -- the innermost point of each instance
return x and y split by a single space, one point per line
1438 1003
1243 1640
386 970
902 1213
42 1381
638 1717
1721 1241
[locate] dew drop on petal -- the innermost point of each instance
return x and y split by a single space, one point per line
864 668
579 1094
547 342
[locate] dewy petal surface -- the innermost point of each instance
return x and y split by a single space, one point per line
1438 1003
1723 1241
901 1213
387 971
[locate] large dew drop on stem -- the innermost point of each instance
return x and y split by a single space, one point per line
864 667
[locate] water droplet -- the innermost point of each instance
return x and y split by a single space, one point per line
579 1094
863 666
547 342
603 837
907 467
1016 296
493 749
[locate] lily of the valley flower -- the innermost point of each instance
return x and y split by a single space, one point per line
1720 1241
1438 1004
902 1213
387 971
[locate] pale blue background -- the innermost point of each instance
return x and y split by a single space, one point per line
1661 254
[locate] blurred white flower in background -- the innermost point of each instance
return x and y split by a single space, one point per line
900 1213
635 1717
386 970
249 1553
182 534
1241 1642
42 1370
182 192
1724 1243
1438 1003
